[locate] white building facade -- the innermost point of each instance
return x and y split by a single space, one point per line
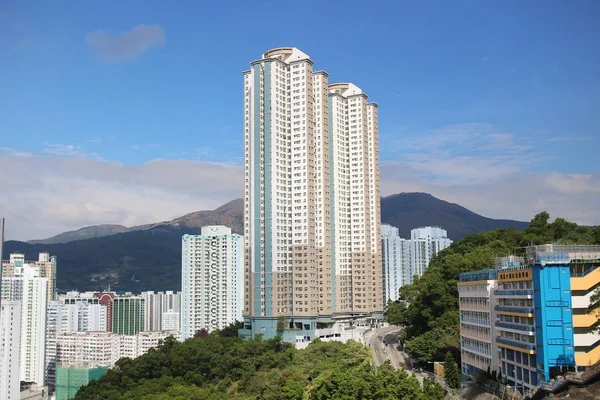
477 321
31 290
311 217
171 320
211 289
10 354
395 253
102 348
425 243
105 348
157 304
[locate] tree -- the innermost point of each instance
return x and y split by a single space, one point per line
201 334
432 390
281 323
451 372
231 330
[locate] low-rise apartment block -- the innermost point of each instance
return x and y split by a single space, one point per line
105 348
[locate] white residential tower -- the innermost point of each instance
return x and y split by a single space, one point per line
211 288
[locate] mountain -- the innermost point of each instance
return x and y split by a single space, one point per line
149 257
407 211
84 233
229 215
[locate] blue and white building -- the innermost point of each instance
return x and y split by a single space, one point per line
544 323
211 274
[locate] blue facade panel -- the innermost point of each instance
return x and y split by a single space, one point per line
267 327
553 317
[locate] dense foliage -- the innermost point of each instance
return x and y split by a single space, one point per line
428 308
223 366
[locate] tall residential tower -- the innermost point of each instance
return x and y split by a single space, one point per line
312 218
426 242
396 261
211 280
30 289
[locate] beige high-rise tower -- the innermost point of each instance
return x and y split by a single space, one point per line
312 217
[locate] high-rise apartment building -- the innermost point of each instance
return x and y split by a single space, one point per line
311 199
211 280
395 252
30 289
425 243
128 315
156 305
10 355
45 263
106 299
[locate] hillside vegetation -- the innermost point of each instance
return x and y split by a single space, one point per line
223 366
429 307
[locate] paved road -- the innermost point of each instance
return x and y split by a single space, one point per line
383 342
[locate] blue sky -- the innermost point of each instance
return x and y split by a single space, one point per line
467 89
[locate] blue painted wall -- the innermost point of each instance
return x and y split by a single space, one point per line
553 317
267 327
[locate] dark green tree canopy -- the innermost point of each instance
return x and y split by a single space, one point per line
223 366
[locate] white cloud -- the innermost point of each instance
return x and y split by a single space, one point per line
458 154
49 195
125 45
61 149
474 165
14 153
